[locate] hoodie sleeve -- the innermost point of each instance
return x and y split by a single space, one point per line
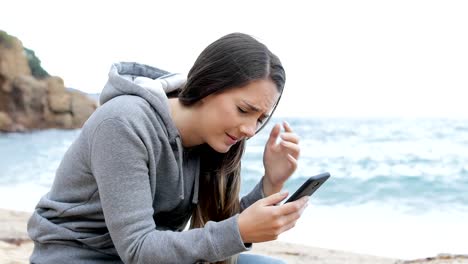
119 161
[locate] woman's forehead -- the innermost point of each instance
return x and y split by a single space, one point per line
260 93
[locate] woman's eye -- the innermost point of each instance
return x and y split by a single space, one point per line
241 110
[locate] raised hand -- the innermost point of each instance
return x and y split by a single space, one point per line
279 159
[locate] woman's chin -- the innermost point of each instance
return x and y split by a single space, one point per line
221 148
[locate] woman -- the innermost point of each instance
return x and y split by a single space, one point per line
161 150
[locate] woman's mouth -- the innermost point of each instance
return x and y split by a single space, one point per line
232 140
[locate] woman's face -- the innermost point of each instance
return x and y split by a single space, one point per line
235 114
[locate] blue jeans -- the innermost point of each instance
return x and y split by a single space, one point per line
257 259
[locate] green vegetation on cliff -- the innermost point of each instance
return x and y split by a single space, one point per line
34 62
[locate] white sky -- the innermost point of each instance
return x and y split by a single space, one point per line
342 58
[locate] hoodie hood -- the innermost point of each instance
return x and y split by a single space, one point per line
153 85
147 82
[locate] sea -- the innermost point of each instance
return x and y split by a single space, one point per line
398 186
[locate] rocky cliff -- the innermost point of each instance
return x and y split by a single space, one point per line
27 103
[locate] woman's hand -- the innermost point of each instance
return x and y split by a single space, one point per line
279 159
262 221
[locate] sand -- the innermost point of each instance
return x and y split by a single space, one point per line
15 247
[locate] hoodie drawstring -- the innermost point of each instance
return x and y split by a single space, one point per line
180 150
181 173
197 180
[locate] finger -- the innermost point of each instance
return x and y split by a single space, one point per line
290 220
287 227
275 131
287 127
291 148
304 207
289 136
293 207
274 198
293 161
293 217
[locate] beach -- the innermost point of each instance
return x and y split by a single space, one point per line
16 247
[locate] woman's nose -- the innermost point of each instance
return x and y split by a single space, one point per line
248 129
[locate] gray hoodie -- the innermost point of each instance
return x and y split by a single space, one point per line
126 186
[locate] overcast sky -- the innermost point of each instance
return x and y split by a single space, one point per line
342 58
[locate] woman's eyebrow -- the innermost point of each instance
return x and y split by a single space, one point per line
254 108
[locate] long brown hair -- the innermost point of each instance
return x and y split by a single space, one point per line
231 61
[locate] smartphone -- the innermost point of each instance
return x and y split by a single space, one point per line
309 187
